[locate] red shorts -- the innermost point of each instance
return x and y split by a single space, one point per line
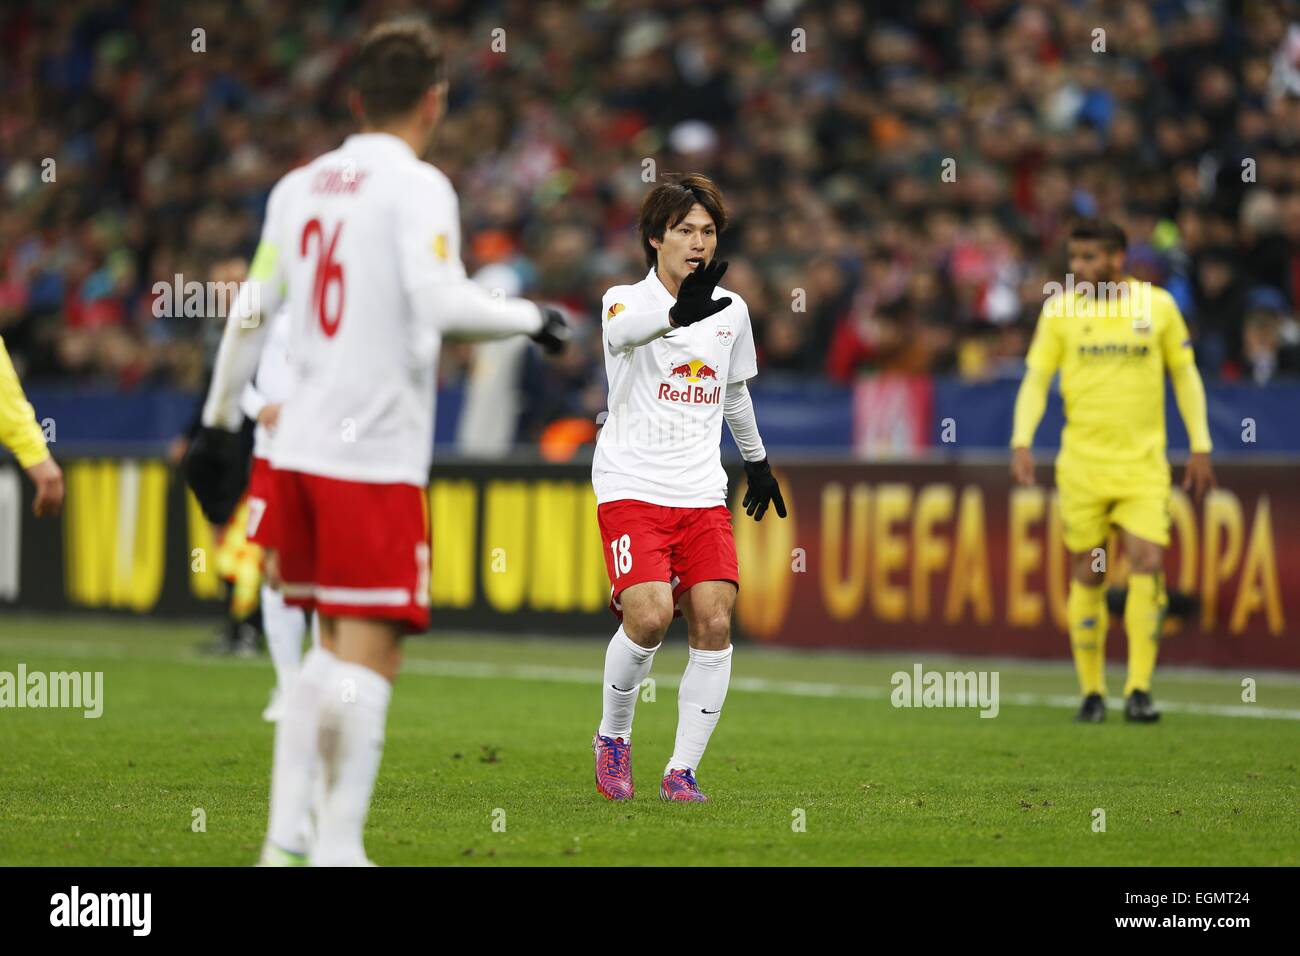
683 546
352 548
259 500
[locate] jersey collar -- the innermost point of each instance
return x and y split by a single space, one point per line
382 141
657 291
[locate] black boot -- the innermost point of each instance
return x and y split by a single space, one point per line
1092 711
1138 708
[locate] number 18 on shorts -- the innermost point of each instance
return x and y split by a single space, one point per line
679 546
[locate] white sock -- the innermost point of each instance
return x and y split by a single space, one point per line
284 627
353 714
318 778
626 665
309 824
699 704
294 767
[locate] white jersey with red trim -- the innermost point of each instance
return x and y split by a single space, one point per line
363 243
661 441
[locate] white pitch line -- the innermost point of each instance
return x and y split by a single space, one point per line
760 685
1173 706
576 675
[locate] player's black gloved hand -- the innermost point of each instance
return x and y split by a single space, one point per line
555 331
216 469
762 489
695 300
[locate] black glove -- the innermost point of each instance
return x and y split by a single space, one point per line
555 331
215 467
695 300
762 489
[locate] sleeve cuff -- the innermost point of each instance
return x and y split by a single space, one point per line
32 456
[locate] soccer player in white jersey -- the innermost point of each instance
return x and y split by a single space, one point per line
678 351
363 244
263 396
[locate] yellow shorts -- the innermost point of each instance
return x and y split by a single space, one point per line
1095 496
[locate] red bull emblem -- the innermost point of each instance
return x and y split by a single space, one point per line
692 371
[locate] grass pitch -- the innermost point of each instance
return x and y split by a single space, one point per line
489 730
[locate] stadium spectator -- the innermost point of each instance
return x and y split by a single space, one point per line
130 153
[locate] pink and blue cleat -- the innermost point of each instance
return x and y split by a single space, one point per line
613 767
679 787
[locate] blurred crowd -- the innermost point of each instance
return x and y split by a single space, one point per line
901 173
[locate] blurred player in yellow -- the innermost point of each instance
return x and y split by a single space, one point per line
21 435
1112 338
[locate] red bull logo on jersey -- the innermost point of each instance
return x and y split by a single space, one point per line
691 394
694 371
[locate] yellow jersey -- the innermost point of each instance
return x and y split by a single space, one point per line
18 429
1112 347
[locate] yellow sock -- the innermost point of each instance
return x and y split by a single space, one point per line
1144 616
1085 610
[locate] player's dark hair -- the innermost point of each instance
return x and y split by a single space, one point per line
1101 230
670 202
397 62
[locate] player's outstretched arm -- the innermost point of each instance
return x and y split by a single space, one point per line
463 312
695 302
629 330
445 301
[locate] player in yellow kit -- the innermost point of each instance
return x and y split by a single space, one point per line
21 435
1112 338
